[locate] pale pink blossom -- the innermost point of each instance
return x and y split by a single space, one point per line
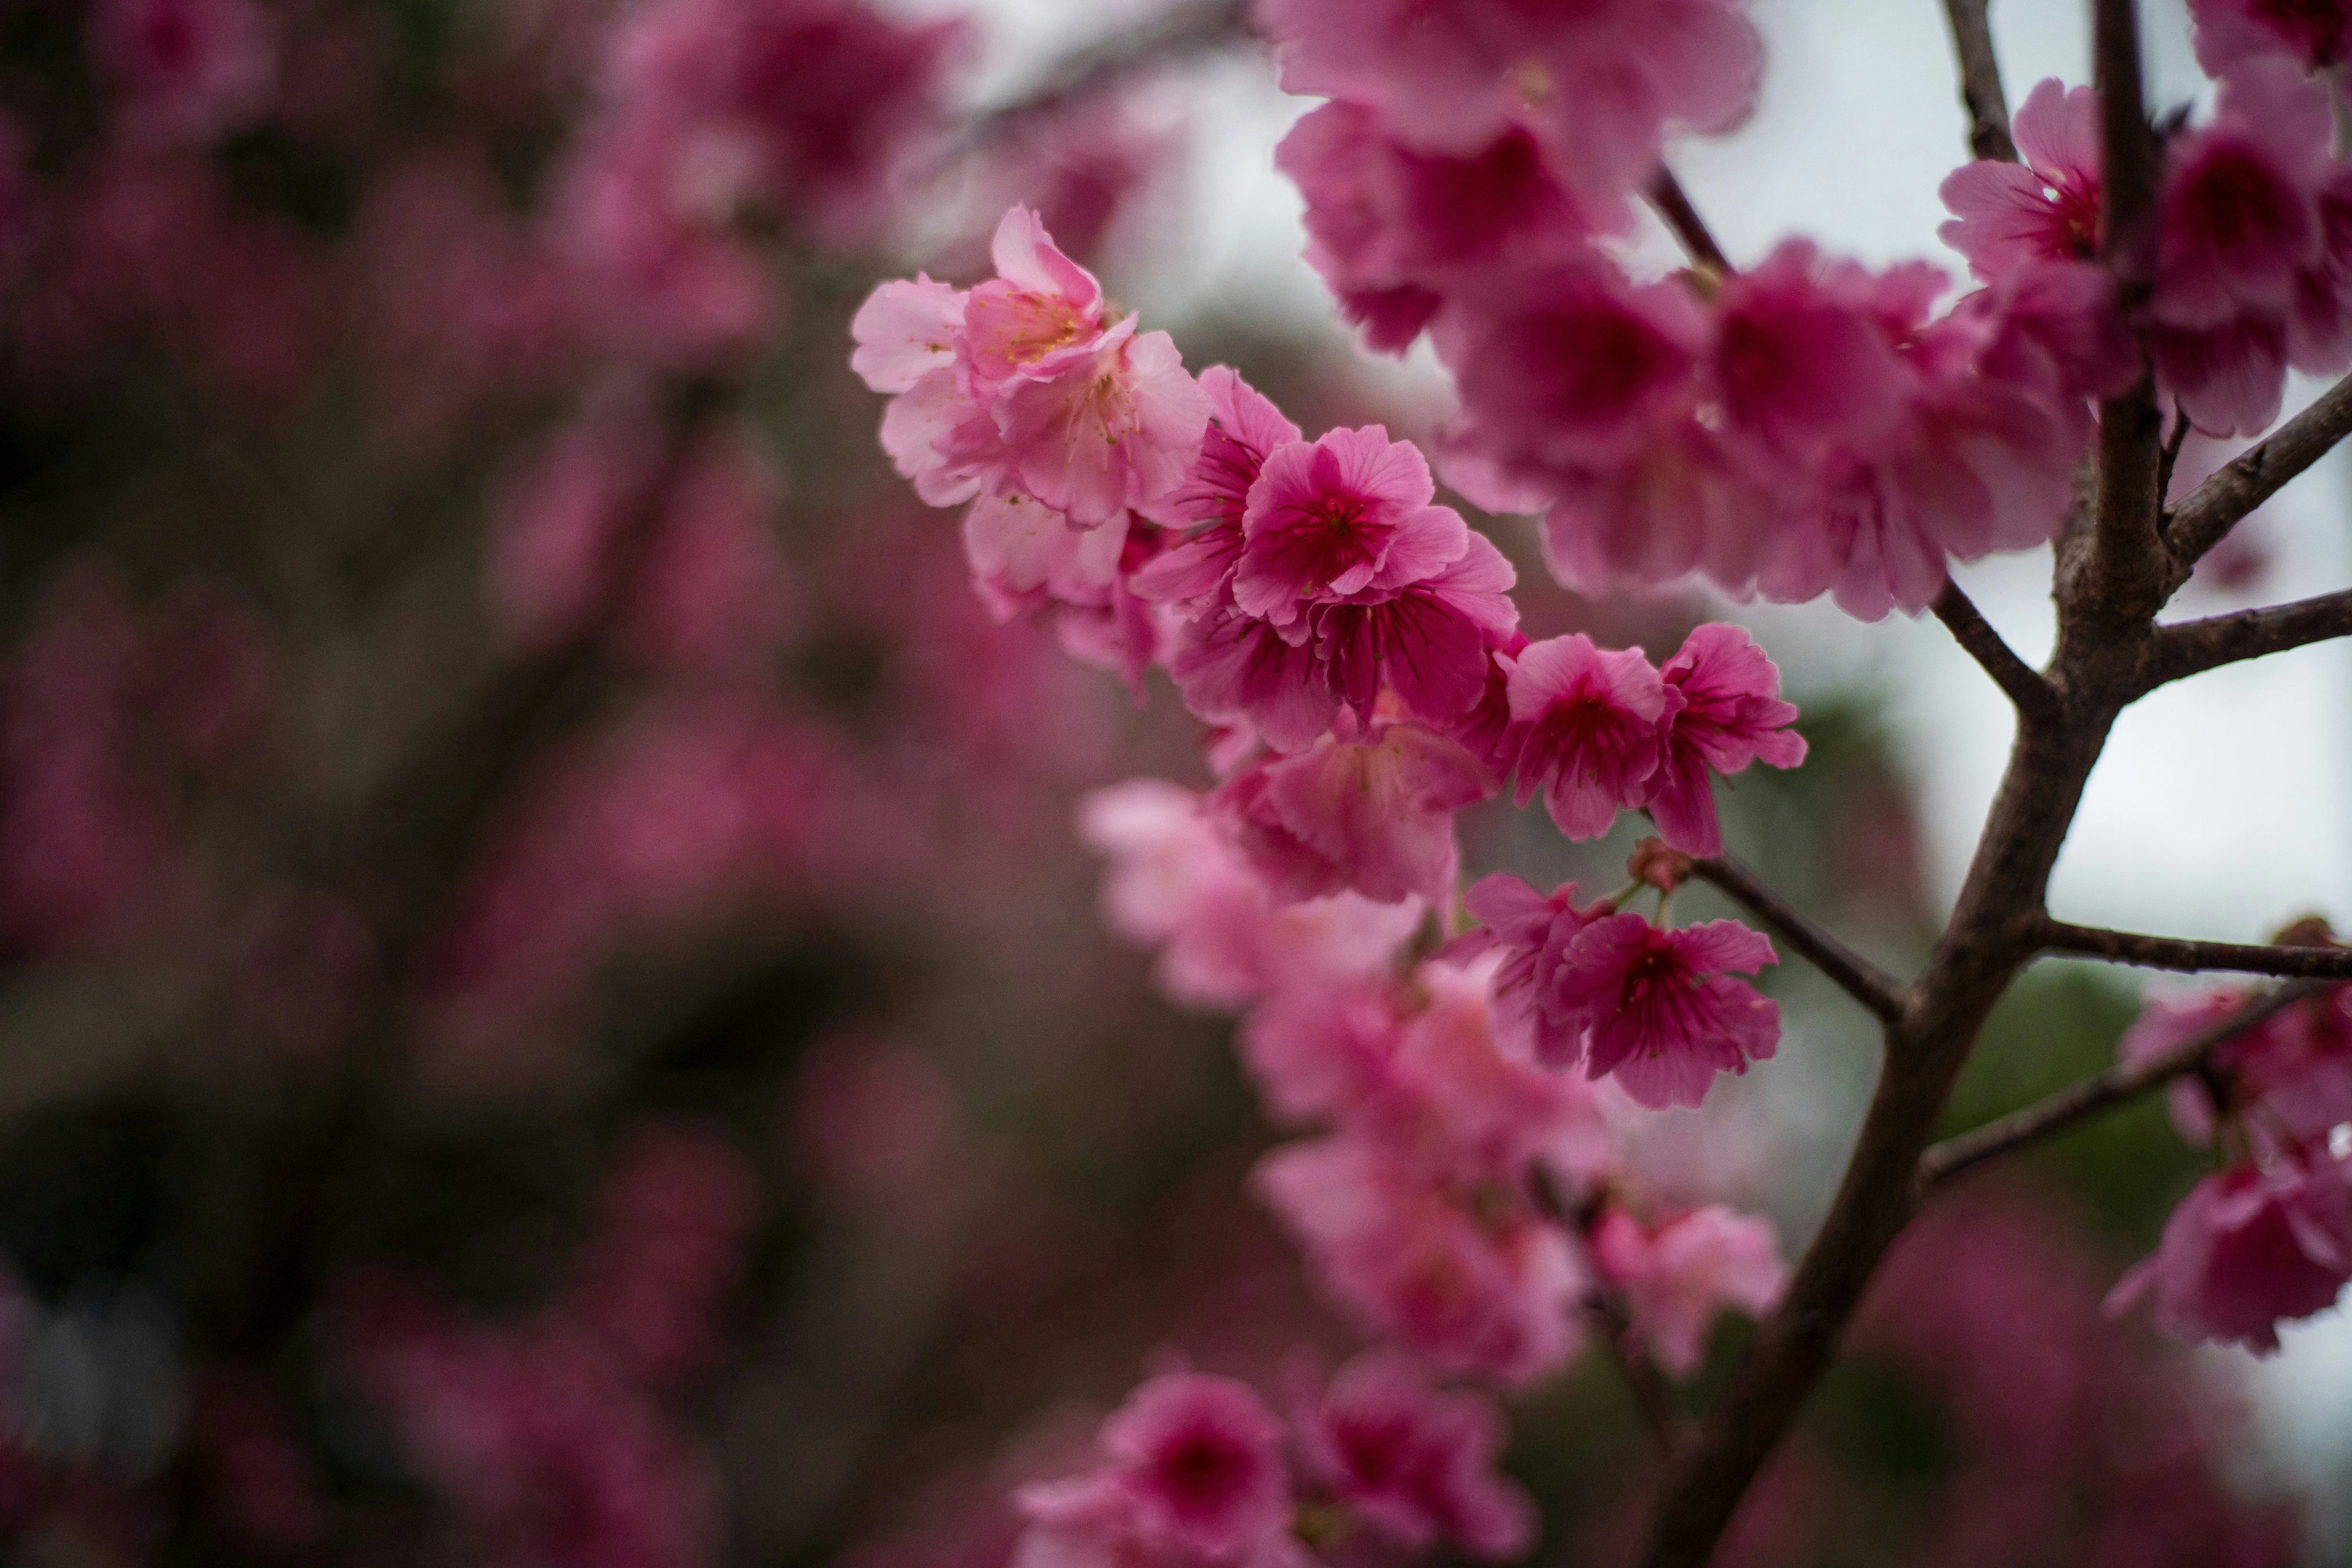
1176 882
2248 1249
1660 1007
1599 84
1322 1050
1677 1276
1117 428
1492 1294
1348 514
1731 715
1041 314
1368 811
2314 34
1415 1463
1593 719
2044 208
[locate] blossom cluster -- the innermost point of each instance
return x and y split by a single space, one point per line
1421 1202
1199 1470
2267 1239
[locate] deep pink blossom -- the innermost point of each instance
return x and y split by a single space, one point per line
2314 33
1662 1011
1593 719
1369 811
1244 427
1427 643
2286 1082
2237 212
1532 932
1415 1463
1176 882
1489 1293
1731 715
1202 1456
2045 208
1676 1277
1393 230
2248 1249
1235 668
1348 514
1801 361
1599 84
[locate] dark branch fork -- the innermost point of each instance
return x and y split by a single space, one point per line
2193 647
2023 684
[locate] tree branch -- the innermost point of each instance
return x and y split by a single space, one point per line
1980 89
2128 566
2208 514
2124 1081
2195 957
1169 34
2193 647
1969 627
1665 194
1856 976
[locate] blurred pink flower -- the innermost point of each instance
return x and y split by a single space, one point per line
2248 1249
1415 1463
187 70
1676 1277
2314 33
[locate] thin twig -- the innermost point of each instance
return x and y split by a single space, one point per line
1856 976
2124 1081
2171 460
1674 204
1980 89
2193 647
2195 957
1668 1421
1169 34
1976 635
2209 512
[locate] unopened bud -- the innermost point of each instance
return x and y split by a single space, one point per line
1659 865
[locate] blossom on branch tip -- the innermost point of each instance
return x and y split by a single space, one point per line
1532 932
1660 1007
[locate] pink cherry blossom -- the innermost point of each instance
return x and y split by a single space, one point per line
1202 1456
1117 427
1662 1011
1676 1277
2314 33
1039 315
2238 216
1233 668
1393 230
2006 216
1322 1050
1801 360
2286 1082
2248 1249
1369 811
1532 932
1244 427
1477 1293
1415 1463
1593 736
1348 514
1599 84
1177 882
1731 715
1428 643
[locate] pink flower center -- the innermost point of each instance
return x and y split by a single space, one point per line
2235 204
1202 1472
1320 539
1011 328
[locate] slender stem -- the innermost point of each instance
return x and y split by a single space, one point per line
2170 461
1969 627
1856 976
1666 194
2193 647
2205 516
1980 89
1668 1421
2195 957
2124 1081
